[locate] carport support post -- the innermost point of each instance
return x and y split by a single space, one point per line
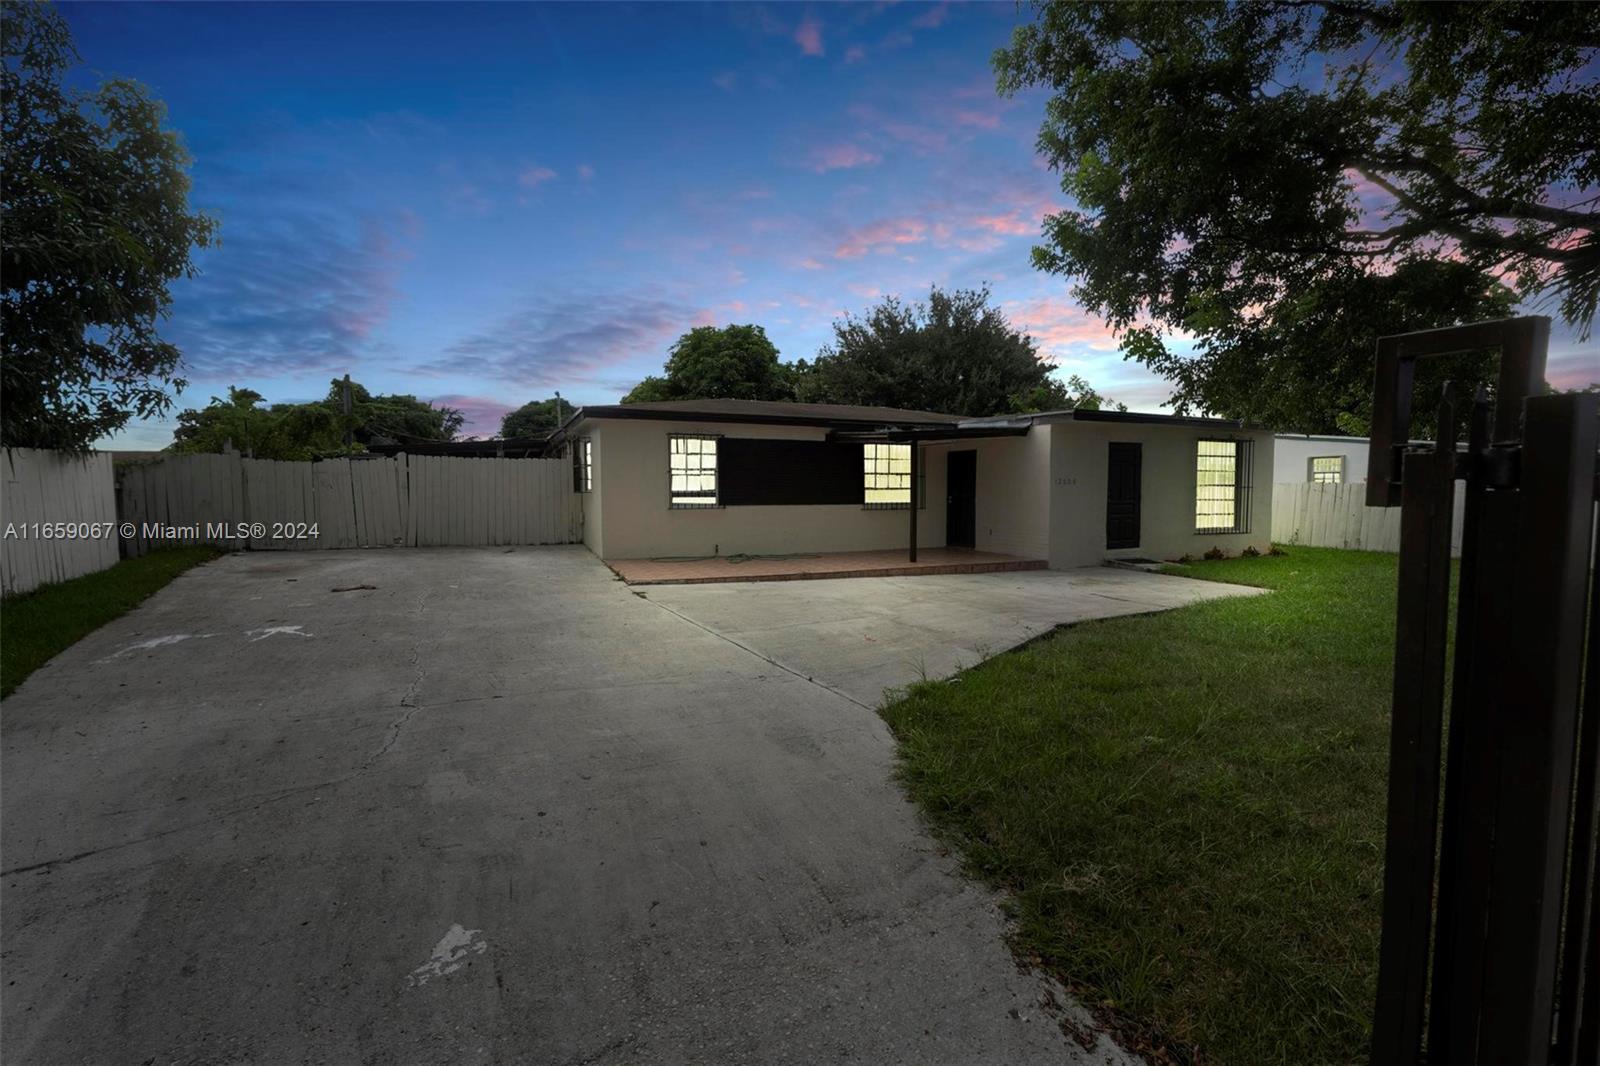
916 471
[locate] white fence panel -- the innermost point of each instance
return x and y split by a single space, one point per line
41 486
1336 516
419 500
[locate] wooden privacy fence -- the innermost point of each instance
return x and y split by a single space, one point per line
406 501
1337 516
58 513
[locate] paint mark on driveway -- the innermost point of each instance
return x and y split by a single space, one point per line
449 954
152 643
273 631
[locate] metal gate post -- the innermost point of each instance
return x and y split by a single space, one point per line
1536 696
1421 622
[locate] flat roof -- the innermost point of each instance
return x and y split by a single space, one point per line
489 447
1080 415
765 412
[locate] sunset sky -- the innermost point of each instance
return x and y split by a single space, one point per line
480 204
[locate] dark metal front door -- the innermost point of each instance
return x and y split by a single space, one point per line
961 499
1123 477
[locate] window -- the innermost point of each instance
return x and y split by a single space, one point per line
887 475
1222 487
1327 469
694 470
582 465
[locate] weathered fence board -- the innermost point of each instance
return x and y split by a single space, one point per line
1336 516
46 487
419 500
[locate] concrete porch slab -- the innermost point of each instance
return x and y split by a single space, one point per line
930 562
861 638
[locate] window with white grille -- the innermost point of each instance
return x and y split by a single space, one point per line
693 465
1222 486
1327 469
887 474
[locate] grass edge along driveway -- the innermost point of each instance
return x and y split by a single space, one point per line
37 626
1186 810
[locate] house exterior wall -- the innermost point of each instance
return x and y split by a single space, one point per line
628 516
1292 456
1079 459
593 516
1013 500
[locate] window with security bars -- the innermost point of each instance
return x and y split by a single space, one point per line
693 464
887 475
582 465
1222 486
1327 469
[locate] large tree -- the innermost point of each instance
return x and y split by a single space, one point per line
1286 180
94 195
242 422
394 416
533 417
711 363
952 353
312 430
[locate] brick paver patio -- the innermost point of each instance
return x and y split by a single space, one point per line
825 565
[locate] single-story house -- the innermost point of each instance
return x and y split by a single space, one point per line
702 478
1325 460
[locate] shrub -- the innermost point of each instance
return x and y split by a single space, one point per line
1249 552
1216 553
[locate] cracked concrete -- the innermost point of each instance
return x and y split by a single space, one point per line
605 833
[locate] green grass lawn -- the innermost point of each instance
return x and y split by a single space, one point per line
37 626
1186 809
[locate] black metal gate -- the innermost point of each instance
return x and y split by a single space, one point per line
1489 926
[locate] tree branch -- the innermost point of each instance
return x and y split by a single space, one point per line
1478 239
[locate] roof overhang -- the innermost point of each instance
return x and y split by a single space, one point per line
1156 420
920 435
816 421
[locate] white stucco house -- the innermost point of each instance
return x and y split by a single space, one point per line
1327 460
705 478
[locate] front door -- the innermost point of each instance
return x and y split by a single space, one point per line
961 499
1122 495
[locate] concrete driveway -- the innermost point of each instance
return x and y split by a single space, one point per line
496 809
861 637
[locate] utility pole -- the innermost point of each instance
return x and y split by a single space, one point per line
349 430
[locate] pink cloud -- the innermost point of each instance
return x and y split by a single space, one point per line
1011 223
1573 370
922 137
1057 324
535 176
855 53
811 263
881 236
981 119
482 414
585 171
932 18
840 157
808 35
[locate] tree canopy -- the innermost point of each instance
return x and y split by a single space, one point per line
1284 181
711 363
310 430
399 417
94 192
952 353
533 417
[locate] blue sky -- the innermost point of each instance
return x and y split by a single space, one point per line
480 204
